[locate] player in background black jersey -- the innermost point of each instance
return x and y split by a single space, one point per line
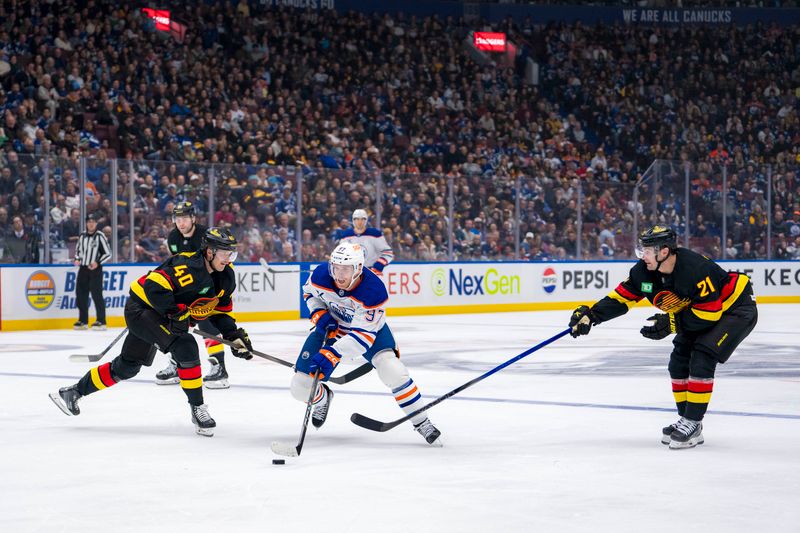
186 236
709 310
162 306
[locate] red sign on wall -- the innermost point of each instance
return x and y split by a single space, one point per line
160 16
492 42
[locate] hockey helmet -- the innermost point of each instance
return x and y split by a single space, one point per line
346 264
657 237
360 213
219 239
183 209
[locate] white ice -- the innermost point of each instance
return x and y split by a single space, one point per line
567 439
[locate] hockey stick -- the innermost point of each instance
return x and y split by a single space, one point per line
83 358
282 448
339 380
375 425
288 271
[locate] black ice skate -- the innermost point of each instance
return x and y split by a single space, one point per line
66 399
666 433
99 326
688 434
320 413
169 375
429 431
217 377
203 423
77 326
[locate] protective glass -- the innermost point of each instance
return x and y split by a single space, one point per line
342 272
227 255
645 251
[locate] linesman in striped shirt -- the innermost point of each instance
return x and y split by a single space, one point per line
91 252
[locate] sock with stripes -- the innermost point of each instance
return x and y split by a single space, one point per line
698 394
192 383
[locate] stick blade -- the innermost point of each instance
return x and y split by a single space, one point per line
83 358
370 423
282 448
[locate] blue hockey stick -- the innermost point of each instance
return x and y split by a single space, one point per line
376 425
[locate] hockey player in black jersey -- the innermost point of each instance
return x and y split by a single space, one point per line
163 305
709 310
187 236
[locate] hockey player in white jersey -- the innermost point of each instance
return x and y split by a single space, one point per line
377 251
347 302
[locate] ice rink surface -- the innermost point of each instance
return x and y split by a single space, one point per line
566 439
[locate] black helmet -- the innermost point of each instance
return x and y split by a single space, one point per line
218 239
183 209
659 237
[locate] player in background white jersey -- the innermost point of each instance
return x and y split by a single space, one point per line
347 302
377 251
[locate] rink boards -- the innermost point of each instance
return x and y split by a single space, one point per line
43 296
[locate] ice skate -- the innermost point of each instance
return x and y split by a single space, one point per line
320 413
77 326
98 326
203 423
688 434
169 375
666 432
217 377
430 433
66 399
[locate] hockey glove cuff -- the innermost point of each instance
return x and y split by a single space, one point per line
664 324
324 322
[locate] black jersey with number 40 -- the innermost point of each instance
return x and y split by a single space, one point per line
182 283
698 291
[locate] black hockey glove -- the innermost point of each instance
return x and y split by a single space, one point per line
581 321
241 341
664 324
178 324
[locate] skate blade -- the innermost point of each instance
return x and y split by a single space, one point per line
666 440
438 443
675 445
56 397
206 432
170 381
281 448
219 384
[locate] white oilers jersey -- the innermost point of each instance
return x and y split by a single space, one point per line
360 312
377 250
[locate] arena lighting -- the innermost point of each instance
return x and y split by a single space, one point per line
489 41
160 16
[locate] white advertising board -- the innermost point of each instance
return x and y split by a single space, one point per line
43 297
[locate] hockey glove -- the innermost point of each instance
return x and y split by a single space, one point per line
241 343
324 322
581 321
325 361
664 324
179 322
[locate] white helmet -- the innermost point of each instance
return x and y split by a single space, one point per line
360 213
346 254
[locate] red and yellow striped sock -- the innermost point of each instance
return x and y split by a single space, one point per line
679 387
698 395
192 383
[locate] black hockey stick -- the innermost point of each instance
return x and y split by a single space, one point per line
271 270
282 448
83 358
375 425
339 380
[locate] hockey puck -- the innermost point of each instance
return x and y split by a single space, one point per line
279 461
